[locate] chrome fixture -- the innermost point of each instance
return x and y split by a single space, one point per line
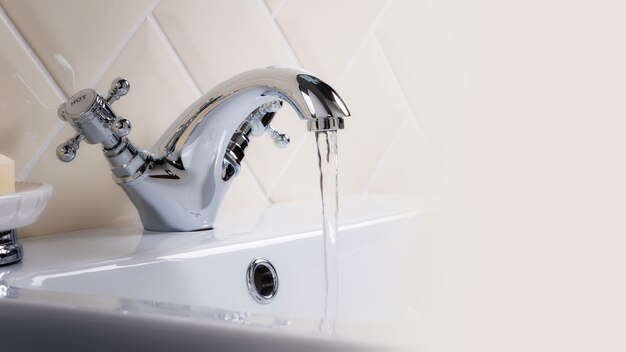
179 184
262 280
10 249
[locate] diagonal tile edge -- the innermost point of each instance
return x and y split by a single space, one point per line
56 89
4 17
276 11
168 44
394 77
388 149
256 182
30 164
115 52
279 31
363 42
408 167
281 173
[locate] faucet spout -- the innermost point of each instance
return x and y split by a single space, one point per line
192 165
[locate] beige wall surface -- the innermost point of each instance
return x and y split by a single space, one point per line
516 109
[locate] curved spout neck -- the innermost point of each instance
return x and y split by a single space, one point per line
313 100
192 164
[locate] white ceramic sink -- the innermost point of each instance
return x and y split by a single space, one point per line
120 287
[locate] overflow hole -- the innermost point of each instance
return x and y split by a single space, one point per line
262 280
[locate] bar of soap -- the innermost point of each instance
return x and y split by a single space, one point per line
7 175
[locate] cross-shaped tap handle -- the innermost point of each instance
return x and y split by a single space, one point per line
93 119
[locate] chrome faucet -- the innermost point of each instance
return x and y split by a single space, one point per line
178 185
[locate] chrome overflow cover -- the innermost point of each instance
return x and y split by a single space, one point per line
262 280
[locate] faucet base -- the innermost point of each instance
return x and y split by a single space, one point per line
10 249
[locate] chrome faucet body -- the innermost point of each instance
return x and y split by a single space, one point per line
178 185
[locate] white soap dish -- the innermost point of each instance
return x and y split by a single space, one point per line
24 206
17 210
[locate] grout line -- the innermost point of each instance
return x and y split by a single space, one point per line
56 89
28 167
255 180
117 50
405 99
179 62
402 126
281 174
279 32
278 9
359 48
39 65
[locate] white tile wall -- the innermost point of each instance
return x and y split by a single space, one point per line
422 78
76 40
204 34
434 74
325 34
28 96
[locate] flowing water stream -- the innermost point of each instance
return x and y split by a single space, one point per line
327 153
